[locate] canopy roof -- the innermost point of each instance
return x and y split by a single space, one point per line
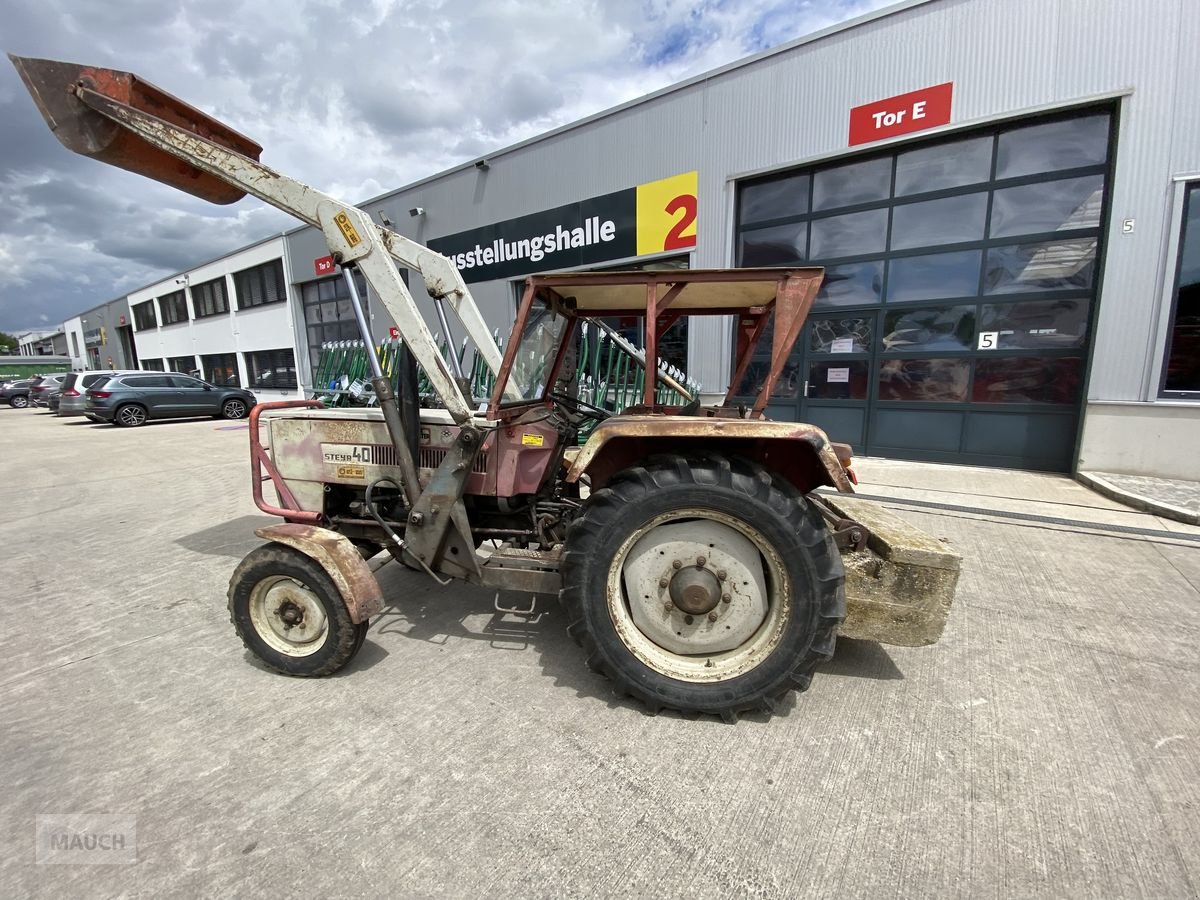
696 291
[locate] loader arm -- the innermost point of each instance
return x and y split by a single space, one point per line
352 237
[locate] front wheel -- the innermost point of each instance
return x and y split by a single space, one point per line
19 402
289 613
702 585
233 409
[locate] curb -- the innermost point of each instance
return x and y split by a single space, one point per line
1138 501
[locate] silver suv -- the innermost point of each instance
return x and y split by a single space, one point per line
74 390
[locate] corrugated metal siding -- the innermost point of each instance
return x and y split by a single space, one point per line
1004 58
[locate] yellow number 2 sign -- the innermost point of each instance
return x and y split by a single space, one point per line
666 214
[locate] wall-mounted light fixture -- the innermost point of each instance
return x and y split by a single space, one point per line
417 211
482 164
383 219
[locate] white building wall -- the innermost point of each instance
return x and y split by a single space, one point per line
267 327
73 329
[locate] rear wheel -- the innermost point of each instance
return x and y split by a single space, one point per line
233 408
290 615
130 416
702 585
19 402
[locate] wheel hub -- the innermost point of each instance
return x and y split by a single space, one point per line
695 590
288 616
696 587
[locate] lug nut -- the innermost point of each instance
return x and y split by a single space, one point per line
662 582
722 574
726 598
676 564
667 607
688 620
700 561
712 617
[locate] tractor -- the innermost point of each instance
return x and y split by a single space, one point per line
704 557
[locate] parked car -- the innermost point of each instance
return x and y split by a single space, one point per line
16 393
132 399
43 386
76 384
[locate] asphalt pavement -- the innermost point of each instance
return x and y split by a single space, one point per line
1047 746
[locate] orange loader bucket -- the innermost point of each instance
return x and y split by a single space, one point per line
82 129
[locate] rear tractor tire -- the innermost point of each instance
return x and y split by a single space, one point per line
289 613
702 585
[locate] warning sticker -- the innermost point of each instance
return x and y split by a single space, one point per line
346 227
532 440
351 472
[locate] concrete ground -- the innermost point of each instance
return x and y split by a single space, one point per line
1046 747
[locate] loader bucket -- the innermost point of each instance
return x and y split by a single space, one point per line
82 129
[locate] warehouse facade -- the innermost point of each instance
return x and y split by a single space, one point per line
1005 197
999 194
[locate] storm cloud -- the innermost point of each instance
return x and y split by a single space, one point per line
356 99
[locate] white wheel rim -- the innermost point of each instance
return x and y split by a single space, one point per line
756 614
288 616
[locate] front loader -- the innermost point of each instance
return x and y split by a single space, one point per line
694 558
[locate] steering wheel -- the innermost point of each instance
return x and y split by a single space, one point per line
580 407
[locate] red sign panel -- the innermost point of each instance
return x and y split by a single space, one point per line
324 265
394 333
903 114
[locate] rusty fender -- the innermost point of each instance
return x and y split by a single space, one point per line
341 561
623 440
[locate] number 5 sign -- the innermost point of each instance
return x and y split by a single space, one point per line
666 214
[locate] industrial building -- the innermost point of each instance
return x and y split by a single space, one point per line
1005 197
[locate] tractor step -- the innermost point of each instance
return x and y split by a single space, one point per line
516 569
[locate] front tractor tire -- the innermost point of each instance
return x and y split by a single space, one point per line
702 585
289 613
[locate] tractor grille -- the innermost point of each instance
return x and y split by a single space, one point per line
431 458
427 457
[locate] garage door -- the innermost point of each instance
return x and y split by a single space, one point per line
961 276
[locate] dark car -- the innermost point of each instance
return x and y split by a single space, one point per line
16 393
43 387
132 399
52 402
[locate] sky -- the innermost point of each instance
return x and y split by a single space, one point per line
356 99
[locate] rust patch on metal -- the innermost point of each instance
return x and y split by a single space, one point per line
781 446
341 561
75 101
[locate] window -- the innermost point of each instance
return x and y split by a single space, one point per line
153 365
328 313
271 369
173 307
74 344
184 364
221 369
145 381
260 285
960 284
209 298
143 316
1181 374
